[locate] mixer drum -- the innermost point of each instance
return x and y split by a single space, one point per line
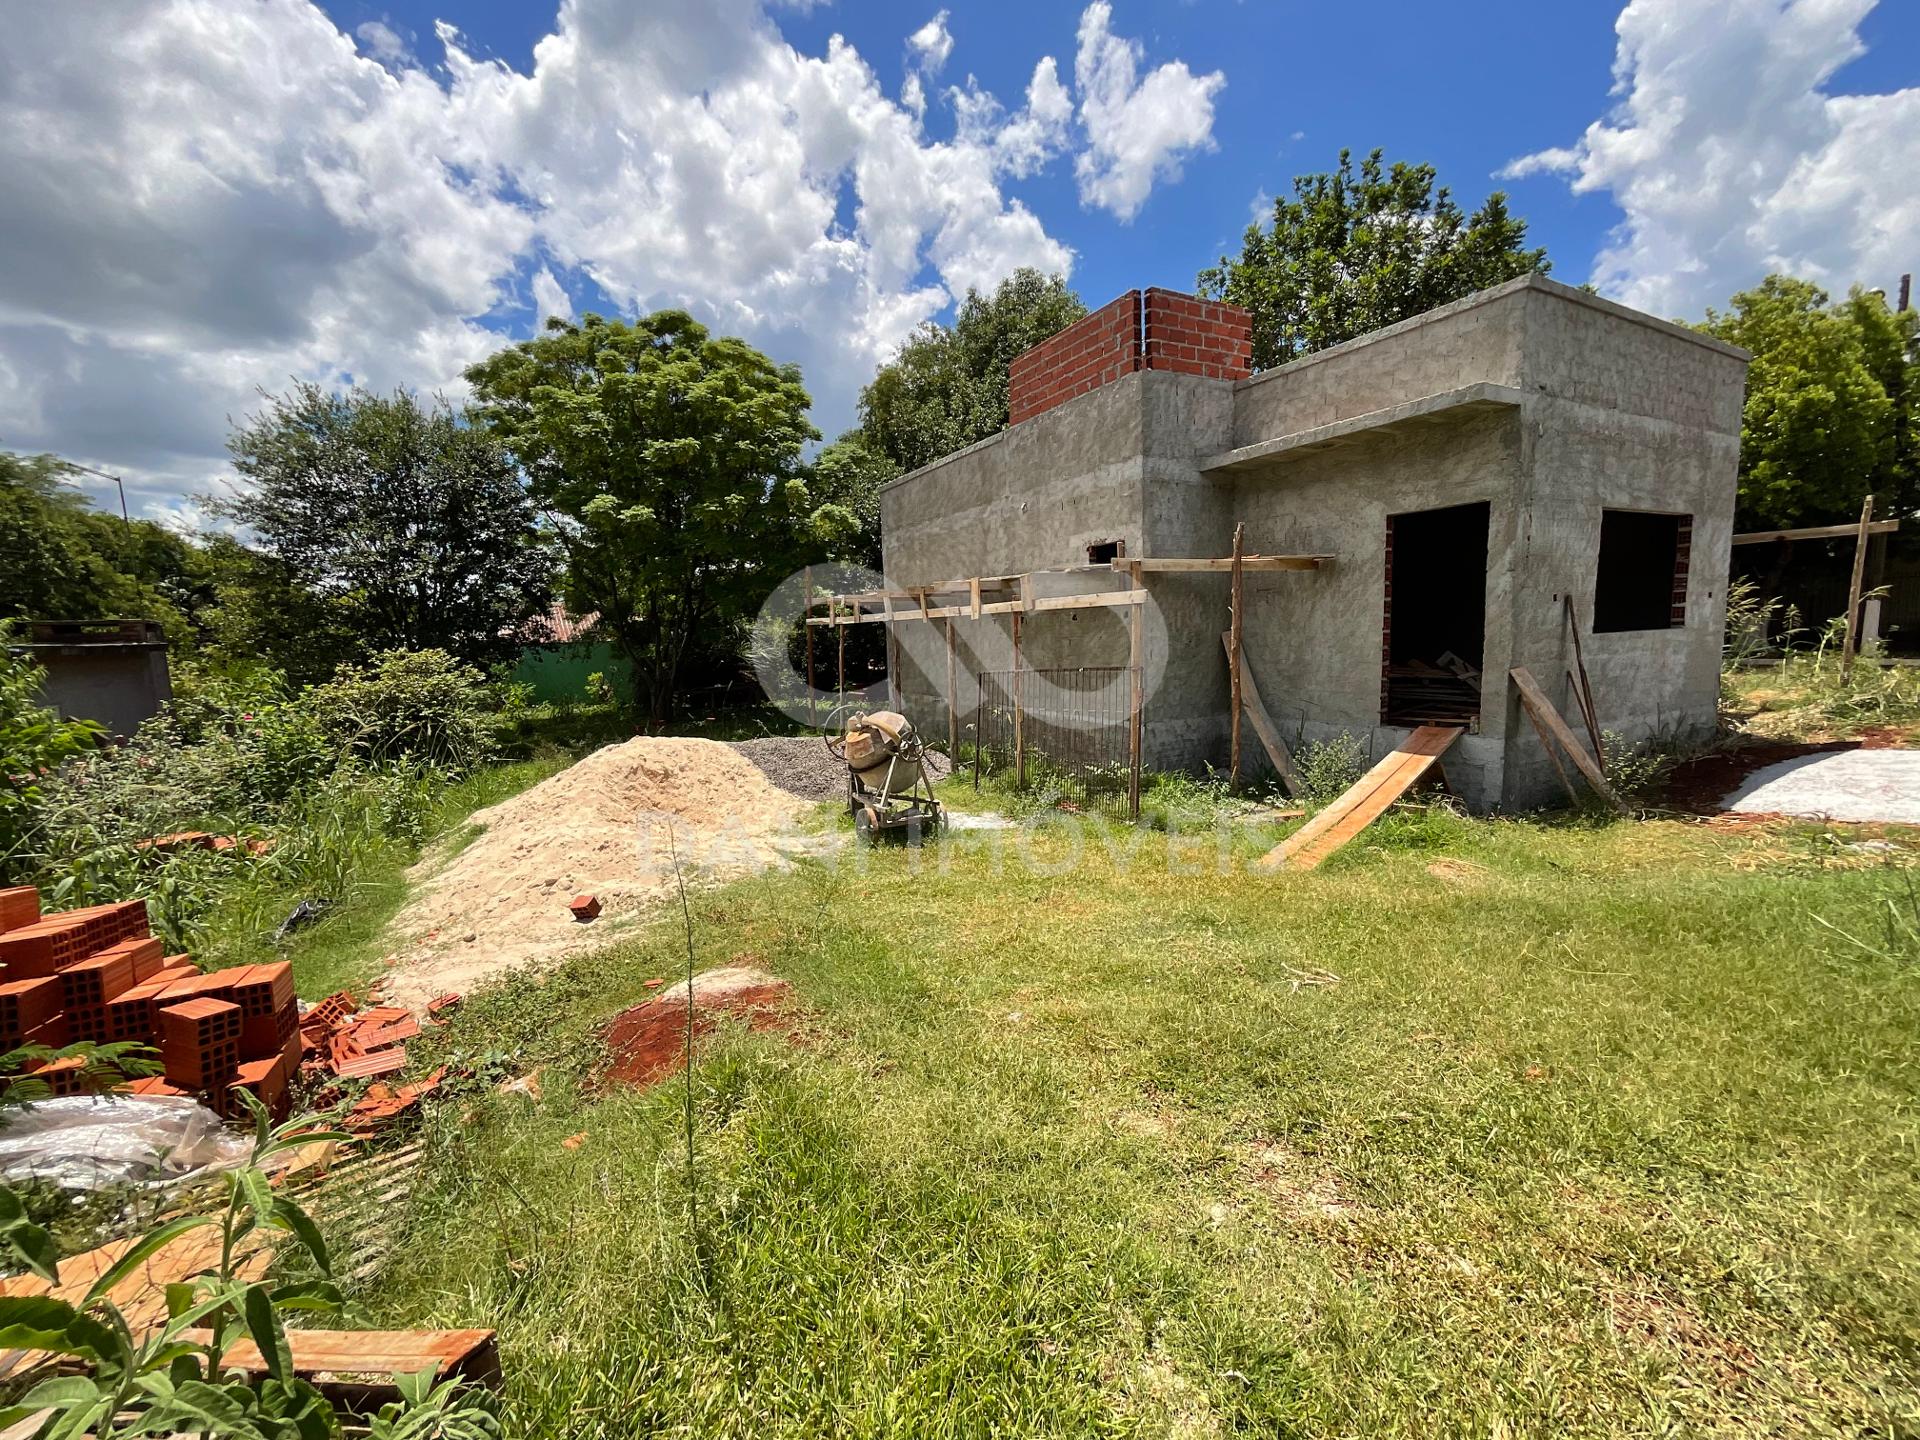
875 746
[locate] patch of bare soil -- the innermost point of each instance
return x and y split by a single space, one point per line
608 826
1305 1193
1458 872
1699 785
1655 1321
649 1041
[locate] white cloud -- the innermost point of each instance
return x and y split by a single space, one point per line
1731 158
550 297
1138 130
208 197
383 42
931 44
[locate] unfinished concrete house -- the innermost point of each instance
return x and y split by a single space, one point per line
1422 511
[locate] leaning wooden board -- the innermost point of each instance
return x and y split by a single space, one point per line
1364 802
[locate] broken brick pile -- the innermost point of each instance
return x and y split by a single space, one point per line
354 1044
99 975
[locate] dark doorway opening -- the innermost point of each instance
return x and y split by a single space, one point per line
1436 615
1105 552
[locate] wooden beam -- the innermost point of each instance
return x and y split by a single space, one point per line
953 701
973 597
1583 688
1236 602
1136 678
1850 646
806 582
1113 598
1816 532
1364 802
1019 711
1175 566
1541 710
1277 753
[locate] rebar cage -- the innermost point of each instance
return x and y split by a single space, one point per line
1065 729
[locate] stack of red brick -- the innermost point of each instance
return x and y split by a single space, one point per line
99 975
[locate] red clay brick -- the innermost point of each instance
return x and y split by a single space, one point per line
26 1005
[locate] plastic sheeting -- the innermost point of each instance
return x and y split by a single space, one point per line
84 1142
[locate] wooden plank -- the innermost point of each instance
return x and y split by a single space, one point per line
1850 646
1236 603
1109 598
1173 565
1136 657
1815 532
1364 802
973 598
1548 719
1584 689
953 699
1019 712
1278 755
806 584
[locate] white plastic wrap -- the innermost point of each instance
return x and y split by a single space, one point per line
84 1142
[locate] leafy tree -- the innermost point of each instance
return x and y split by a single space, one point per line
849 475
1820 429
947 387
669 461
1352 252
258 613
414 517
61 559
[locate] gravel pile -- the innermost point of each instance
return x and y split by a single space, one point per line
800 765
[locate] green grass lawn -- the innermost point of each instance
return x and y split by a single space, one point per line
1600 1131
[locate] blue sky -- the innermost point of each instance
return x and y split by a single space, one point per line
216 195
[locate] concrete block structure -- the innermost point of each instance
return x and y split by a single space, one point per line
1466 473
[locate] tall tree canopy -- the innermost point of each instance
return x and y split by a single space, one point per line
61 559
671 463
402 512
1350 252
1830 400
948 385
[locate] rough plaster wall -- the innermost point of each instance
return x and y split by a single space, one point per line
1033 497
1442 350
1625 416
1314 638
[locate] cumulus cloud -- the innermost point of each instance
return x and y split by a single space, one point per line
550 297
383 42
209 197
1138 130
931 44
1731 157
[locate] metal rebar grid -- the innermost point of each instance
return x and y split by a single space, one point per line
1073 732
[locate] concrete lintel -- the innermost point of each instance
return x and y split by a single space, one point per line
1428 409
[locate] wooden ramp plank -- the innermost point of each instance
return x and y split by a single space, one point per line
1277 753
1364 802
1540 710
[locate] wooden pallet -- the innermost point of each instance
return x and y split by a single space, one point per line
1364 802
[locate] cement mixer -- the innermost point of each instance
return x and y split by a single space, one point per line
888 792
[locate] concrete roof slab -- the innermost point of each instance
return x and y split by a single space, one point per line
1441 408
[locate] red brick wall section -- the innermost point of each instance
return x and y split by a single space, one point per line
1093 351
1190 336
1151 330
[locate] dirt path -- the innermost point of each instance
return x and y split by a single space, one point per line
607 826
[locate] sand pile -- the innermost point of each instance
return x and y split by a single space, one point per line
601 827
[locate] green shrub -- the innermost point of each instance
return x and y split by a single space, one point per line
418 706
34 743
1328 767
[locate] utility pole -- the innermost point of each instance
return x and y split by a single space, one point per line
1906 293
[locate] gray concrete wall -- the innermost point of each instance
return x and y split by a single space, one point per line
1481 338
1314 638
121 686
1619 411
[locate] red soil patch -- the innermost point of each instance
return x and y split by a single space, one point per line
648 1042
1699 786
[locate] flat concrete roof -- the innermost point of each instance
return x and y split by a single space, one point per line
1529 281
1435 409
